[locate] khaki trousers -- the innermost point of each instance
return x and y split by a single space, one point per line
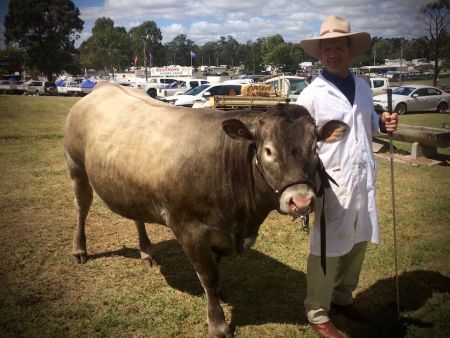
336 286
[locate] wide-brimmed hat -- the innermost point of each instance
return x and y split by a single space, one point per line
337 27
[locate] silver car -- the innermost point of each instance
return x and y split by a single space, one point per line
410 98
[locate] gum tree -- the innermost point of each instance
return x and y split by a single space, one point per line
46 30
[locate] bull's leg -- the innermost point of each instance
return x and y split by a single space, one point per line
198 249
145 246
82 201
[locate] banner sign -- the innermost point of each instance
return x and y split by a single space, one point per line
170 71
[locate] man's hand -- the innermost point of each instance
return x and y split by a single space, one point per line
390 121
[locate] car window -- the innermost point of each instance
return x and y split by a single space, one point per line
403 90
296 85
378 83
225 90
193 84
217 90
421 92
433 91
196 90
168 80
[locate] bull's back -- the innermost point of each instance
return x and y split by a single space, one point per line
133 150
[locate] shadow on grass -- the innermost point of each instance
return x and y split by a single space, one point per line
262 290
379 302
259 288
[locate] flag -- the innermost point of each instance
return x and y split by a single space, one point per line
193 55
135 60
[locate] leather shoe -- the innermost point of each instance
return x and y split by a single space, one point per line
350 311
327 330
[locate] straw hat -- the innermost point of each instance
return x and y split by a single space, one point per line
336 27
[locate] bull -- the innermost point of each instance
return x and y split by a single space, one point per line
212 177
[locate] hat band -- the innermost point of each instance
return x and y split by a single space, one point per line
333 31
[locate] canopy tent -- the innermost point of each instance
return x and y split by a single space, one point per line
86 83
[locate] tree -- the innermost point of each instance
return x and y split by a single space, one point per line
437 19
46 30
107 48
207 52
149 35
179 50
14 58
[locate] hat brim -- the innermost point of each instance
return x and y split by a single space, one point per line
360 42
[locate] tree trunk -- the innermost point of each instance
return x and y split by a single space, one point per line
436 73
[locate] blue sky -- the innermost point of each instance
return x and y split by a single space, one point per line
207 20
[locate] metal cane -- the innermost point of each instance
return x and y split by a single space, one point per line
394 221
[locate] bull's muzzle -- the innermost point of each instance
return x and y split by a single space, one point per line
297 199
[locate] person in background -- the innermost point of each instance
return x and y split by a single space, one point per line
350 210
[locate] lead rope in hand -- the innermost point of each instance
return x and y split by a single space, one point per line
325 180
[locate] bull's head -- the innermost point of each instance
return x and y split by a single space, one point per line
285 139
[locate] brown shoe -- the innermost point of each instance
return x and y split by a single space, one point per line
327 330
350 311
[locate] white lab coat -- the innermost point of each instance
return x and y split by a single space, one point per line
350 209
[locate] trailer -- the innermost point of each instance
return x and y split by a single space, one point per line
223 102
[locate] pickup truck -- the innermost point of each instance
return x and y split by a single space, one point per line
8 87
179 87
154 85
289 86
378 85
41 88
73 89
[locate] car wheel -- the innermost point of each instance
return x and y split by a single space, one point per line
400 109
152 93
442 108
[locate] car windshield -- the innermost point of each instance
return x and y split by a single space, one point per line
196 90
403 90
297 85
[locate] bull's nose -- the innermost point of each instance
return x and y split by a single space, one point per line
300 204
297 199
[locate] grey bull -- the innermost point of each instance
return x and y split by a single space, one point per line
212 177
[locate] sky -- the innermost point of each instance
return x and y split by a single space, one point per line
244 20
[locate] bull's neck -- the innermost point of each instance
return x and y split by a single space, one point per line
264 193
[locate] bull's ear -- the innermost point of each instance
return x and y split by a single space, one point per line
332 131
237 130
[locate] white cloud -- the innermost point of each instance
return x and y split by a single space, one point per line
204 21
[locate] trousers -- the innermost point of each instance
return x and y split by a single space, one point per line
336 286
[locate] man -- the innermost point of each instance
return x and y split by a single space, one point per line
350 211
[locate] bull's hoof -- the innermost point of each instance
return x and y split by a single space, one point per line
221 332
80 257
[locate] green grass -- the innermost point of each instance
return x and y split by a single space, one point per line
44 294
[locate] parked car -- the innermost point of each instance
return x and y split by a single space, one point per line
288 85
203 92
411 98
180 87
41 88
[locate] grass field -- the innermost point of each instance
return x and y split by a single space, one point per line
44 294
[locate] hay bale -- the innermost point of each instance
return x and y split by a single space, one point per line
257 89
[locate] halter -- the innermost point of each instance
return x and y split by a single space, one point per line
325 180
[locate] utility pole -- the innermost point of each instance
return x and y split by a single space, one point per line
145 57
401 58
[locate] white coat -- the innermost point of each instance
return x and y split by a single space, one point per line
350 209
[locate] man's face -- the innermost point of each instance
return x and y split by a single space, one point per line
335 55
